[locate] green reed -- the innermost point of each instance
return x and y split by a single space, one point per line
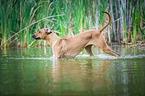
4 18
79 15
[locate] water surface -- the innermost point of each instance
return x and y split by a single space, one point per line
34 72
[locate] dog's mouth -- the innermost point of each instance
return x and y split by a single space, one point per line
37 38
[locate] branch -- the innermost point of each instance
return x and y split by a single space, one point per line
31 25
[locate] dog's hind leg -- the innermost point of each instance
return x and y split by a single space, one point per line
109 51
89 50
100 42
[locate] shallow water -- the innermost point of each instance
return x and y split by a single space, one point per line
34 72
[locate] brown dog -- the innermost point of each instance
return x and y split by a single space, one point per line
70 47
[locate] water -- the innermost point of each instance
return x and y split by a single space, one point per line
34 72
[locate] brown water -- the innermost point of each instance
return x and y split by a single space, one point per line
34 72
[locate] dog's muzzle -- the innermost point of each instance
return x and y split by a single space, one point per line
35 37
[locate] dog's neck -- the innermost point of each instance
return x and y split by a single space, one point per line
52 39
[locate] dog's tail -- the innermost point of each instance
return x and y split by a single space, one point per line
101 29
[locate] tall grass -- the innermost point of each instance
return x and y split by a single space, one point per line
4 20
79 15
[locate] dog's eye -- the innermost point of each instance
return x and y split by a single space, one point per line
39 32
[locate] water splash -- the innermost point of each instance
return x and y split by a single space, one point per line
85 56
104 56
132 56
35 58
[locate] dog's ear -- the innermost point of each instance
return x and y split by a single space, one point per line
47 30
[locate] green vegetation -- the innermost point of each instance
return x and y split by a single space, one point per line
21 18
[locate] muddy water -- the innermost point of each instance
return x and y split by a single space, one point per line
34 72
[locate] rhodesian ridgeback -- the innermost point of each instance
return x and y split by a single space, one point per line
71 46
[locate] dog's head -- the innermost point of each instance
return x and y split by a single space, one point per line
42 34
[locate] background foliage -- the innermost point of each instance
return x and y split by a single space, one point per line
19 19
